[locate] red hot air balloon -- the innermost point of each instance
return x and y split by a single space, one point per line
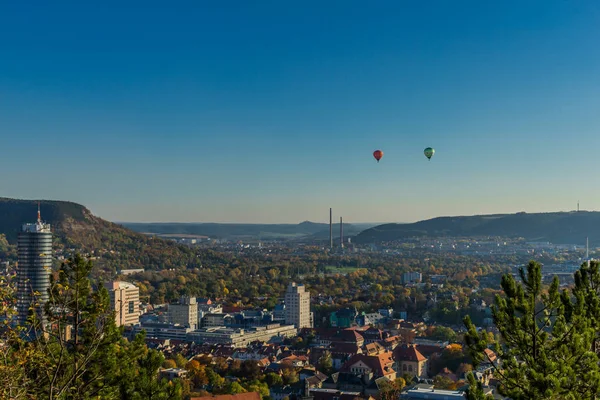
378 154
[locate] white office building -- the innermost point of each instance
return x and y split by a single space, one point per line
125 301
184 313
297 306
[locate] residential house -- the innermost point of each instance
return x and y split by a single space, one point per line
372 335
373 349
390 343
316 381
377 366
172 373
332 381
410 361
367 319
351 382
296 361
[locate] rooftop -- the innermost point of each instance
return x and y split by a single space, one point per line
119 285
241 396
408 353
432 394
38 227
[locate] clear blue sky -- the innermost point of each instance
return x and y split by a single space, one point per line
268 111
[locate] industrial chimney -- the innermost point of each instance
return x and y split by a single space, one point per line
330 229
341 233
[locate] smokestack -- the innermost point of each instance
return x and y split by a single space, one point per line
330 229
341 233
587 251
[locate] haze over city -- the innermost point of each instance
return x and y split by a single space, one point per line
270 112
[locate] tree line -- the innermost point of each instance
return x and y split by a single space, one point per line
549 337
70 347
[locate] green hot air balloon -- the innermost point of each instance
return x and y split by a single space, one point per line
429 152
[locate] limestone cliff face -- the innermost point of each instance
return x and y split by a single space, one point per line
113 246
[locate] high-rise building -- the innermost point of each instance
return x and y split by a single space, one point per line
412 277
125 301
297 306
184 313
33 272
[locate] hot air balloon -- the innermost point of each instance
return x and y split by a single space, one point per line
378 154
429 152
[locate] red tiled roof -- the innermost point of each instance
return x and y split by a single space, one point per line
428 350
392 339
344 348
294 357
381 364
408 353
490 354
264 362
354 336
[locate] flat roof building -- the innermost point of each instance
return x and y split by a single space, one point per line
297 306
125 301
241 337
184 313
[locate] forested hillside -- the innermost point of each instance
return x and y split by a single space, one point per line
115 246
559 227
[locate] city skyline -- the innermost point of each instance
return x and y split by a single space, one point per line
270 113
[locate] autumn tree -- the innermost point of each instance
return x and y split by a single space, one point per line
290 375
390 390
325 363
235 388
443 333
443 382
197 373
180 360
15 354
273 379
249 370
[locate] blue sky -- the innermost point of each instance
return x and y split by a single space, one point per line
268 111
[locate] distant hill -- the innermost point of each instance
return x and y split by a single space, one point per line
258 231
558 227
76 227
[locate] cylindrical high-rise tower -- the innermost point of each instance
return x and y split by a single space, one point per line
35 262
